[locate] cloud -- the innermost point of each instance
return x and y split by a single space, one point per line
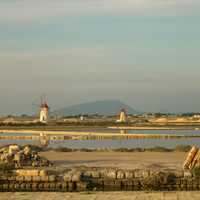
38 11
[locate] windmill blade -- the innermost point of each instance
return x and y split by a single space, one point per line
43 98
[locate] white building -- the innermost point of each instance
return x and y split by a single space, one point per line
44 112
122 116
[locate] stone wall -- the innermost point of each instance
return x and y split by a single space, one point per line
102 180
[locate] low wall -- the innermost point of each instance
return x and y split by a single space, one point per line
102 180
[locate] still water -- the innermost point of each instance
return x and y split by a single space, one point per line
117 143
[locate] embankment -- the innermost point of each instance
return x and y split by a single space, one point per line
101 179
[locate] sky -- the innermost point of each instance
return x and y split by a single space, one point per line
142 52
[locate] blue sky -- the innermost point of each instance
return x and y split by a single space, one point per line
142 52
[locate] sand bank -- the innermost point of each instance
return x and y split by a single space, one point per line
124 160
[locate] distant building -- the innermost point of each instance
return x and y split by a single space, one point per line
196 116
44 112
82 118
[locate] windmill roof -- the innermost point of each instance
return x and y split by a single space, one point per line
44 105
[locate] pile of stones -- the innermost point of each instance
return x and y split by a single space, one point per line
193 159
22 156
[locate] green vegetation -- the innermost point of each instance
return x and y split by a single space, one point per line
63 149
183 148
35 148
180 148
6 168
196 172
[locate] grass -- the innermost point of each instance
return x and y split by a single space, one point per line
183 148
6 168
196 172
178 148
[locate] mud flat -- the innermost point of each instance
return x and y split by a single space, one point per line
102 195
124 160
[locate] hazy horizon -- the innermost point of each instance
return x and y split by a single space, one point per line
144 53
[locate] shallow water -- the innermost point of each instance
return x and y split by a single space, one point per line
117 143
107 130
131 143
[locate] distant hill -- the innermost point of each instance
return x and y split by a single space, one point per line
106 107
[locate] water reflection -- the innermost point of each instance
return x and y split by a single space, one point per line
64 140
123 131
44 140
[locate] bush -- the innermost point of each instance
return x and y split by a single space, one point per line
36 148
183 148
196 172
63 149
5 168
159 149
87 150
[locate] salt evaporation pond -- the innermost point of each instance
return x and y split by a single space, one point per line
116 143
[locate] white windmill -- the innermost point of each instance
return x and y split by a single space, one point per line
122 116
44 110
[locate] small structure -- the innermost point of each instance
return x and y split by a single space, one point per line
122 116
196 116
44 112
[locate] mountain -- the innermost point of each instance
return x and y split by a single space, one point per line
106 107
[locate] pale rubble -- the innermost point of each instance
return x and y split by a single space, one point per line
193 159
22 156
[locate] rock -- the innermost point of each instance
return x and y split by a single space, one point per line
52 178
179 174
137 173
26 172
28 178
14 155
76 177
12 149
20 178
88 174
96 174
45 178
120 174
129 175
36 178
27 150
190 157
112 174
42 173
187 174
68 177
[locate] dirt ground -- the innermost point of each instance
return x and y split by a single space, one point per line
103 196
124 160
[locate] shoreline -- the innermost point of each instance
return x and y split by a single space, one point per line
152 128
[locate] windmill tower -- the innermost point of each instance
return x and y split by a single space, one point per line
44 111
122 116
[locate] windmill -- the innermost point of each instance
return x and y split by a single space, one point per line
44 109
122 115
